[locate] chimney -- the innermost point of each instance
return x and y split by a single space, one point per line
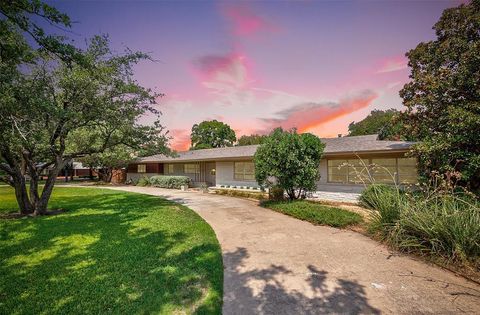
339 135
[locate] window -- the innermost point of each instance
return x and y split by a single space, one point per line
337 171
352 171
407 171
141 168
169 169
191 168
384 170
380 170
244 171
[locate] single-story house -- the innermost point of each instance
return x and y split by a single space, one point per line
344 165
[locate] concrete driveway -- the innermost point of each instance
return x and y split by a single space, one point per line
275 264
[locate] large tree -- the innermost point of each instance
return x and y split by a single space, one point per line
54 110
385 123
212 134
442 99
251 139
151 141
290 161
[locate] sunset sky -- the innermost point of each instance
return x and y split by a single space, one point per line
312 65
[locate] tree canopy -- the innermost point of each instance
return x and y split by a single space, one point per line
212 134
385 123
56 107
289 160
442 99
251 139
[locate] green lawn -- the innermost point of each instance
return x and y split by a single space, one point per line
315 213
111 252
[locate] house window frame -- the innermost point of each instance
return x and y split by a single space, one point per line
168 170
242 177
141 168
369 162
195 171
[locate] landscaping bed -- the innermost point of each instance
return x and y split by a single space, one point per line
110 252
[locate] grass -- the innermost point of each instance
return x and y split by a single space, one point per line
315 213
443 226
110 253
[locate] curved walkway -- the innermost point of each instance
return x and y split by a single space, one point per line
275 264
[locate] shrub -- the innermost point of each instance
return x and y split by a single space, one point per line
276 193
169 181
289 160
143 181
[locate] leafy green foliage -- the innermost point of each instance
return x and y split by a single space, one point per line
212 134
61 111
315 213
170 181
109 253
18 20
251 139
434 222
385 123
290 161
442 99
143 181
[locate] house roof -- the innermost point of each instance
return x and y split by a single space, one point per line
355 144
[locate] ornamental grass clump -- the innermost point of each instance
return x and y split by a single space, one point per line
436 222
386 202
446 225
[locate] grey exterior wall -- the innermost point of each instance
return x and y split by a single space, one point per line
225 176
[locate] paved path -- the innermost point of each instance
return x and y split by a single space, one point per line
275 264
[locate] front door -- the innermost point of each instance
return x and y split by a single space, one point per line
210 173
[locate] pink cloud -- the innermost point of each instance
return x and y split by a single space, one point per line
393 64
223 72
310 115
180 139
246 22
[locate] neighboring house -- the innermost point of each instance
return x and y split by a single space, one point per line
342 167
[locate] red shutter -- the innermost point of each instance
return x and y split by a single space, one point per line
160 168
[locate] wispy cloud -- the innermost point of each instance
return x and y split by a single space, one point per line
309 115
393 64
222 71
244 21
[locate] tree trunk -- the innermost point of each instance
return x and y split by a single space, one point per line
105 174
21 194
41 206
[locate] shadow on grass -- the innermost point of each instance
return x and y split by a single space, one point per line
262 291
111 253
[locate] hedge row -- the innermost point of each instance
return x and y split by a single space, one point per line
169 181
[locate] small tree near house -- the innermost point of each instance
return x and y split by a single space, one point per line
290 161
